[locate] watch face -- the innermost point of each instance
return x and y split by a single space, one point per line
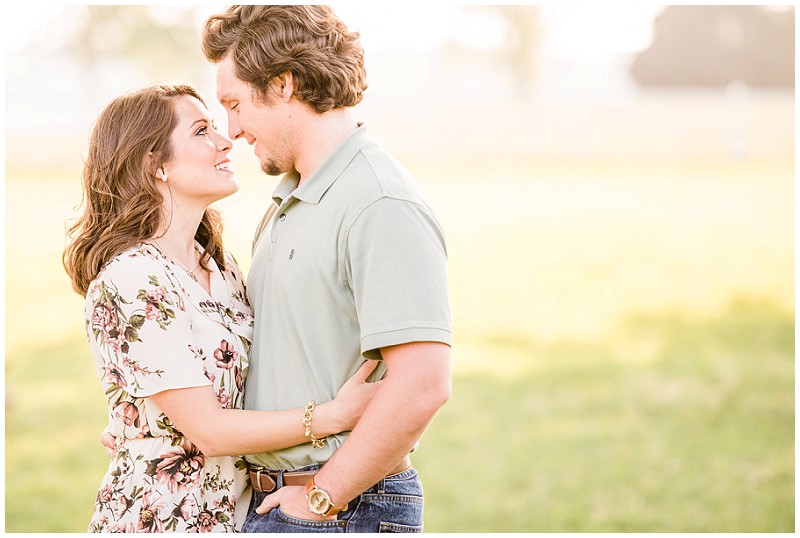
318 502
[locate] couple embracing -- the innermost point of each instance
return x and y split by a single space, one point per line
289 401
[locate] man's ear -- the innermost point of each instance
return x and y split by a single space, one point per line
284 85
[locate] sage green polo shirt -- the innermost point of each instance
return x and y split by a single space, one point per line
350 261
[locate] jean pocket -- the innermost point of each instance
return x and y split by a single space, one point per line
255 522
406 483
392 513
324 526
385 526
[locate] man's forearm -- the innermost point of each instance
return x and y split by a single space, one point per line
417 385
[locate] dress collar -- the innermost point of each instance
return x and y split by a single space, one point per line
220 306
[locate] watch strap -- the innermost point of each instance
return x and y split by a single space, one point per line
332 510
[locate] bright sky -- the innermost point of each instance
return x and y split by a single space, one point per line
396 26
571 31
398 37
596 30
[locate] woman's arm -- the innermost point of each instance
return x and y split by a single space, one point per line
232 432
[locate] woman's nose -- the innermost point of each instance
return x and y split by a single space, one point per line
223 144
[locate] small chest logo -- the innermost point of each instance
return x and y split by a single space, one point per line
291 254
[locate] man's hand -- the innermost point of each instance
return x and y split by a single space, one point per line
292 500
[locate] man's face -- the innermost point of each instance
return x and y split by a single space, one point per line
264 126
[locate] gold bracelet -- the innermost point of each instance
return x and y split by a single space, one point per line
309 409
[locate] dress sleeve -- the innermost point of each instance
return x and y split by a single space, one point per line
397 268
137 324
240 315
237 278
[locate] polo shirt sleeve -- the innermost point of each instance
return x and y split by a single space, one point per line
397 268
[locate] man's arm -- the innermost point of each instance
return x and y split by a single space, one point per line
417 385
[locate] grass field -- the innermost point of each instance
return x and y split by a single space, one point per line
623 349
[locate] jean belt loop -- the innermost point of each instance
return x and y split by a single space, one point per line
381 486
280 479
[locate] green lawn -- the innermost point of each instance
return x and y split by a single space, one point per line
698 439
623 351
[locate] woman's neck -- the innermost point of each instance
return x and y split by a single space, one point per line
177 240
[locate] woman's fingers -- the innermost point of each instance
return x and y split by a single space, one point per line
365 370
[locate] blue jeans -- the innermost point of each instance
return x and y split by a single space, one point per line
394 504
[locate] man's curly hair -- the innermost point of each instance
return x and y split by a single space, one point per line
325 58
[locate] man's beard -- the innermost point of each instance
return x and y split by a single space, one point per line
271 168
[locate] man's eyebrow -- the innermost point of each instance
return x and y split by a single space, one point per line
225 99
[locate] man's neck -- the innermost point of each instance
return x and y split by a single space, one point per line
322 133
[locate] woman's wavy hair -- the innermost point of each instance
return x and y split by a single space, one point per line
325 58
121 205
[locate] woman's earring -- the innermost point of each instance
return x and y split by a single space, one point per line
163 175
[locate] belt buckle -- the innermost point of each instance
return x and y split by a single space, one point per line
261 472
258 481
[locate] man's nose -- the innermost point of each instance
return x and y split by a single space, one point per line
233 128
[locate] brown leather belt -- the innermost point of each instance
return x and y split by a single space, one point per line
266 480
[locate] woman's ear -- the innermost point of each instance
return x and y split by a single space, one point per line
154 167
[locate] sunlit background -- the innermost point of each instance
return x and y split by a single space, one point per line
616 187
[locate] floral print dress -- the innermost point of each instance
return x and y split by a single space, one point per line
152 328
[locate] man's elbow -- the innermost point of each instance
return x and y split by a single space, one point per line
441 381
421 372
435 396
445 389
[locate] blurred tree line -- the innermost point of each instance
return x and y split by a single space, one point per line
159 43
692 46
164 42
713 46
142 34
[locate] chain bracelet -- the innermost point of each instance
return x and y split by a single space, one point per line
309 409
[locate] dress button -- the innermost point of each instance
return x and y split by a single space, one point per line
283 216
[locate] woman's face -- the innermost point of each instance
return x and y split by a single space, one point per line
198 170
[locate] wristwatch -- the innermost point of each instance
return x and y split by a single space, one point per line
319 501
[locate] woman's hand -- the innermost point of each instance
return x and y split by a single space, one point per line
343 412
109 441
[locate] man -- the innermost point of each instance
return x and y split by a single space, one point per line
348 264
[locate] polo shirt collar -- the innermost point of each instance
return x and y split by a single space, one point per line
286 186
314 188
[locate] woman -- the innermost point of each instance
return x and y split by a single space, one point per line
169 323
